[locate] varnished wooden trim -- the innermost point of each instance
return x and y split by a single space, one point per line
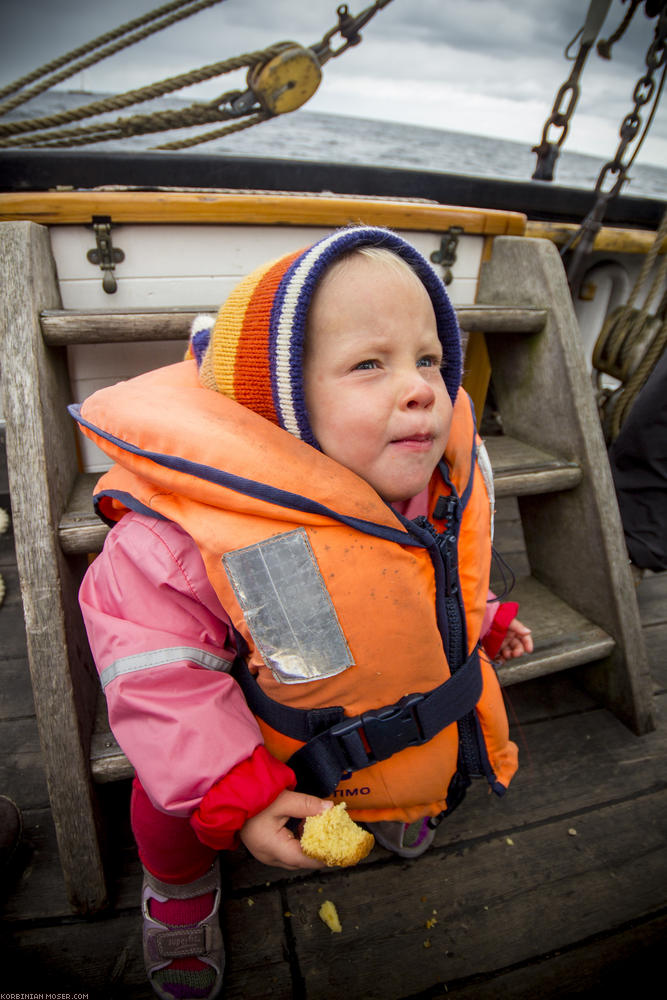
208 207
609 239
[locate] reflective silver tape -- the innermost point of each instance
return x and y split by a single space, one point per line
485 468
288 609
161 658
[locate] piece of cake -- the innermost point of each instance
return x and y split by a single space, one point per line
334 838
329 915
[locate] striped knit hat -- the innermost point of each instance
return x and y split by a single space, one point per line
253 351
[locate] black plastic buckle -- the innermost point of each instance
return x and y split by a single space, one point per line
385 731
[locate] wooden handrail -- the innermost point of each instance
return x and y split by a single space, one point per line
67 327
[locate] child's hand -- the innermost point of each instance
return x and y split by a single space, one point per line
517 641
269 840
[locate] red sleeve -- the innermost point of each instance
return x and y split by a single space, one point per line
493 639
244 791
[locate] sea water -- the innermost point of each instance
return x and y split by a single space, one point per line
305 135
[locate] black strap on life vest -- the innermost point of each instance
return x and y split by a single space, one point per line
336 744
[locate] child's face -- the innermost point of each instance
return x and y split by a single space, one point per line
376 399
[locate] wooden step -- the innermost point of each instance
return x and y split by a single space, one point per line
80 530
66 327
518 468
107 760
563 639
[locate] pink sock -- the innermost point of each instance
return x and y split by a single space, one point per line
181 913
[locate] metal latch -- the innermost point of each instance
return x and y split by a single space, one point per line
446 255
105 255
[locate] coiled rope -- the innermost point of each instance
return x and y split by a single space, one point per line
612 352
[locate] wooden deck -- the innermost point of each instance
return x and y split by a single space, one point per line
559 889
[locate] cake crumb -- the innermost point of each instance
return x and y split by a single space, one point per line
329 915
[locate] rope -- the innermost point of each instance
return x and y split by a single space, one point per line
191 8
118 101
242 105
196 114
625 327
615 346
122 128
262 116
636 382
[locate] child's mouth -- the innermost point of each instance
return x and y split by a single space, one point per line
417 442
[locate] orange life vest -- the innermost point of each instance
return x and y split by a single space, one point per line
346 662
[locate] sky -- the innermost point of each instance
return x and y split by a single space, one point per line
488 67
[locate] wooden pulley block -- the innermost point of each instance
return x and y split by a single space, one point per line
287 81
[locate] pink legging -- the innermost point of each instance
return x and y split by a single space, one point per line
168 846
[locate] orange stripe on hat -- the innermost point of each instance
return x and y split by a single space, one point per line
252 375
227 331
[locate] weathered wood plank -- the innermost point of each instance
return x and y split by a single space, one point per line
12 629
105 959
488 901
66 327
520 468
604 967
21 768
38 888
16 699
567 764
42 465
574 539
562 637
80 529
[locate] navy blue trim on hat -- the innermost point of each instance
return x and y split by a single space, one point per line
294 295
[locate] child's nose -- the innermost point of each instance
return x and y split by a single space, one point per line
417 393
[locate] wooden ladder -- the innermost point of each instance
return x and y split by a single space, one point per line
579 597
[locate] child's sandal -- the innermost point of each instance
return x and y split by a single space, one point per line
408 840
165 943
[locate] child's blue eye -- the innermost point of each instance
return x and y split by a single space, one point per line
429 362
364 365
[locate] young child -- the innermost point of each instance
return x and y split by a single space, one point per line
288 610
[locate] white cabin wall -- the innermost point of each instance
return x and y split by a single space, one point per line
190 266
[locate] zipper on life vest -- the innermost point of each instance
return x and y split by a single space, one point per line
446 544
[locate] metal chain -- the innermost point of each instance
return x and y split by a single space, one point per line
568 95
581 242
547 151
604 46
348 27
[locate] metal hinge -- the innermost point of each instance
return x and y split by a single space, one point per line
446 255
105 255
